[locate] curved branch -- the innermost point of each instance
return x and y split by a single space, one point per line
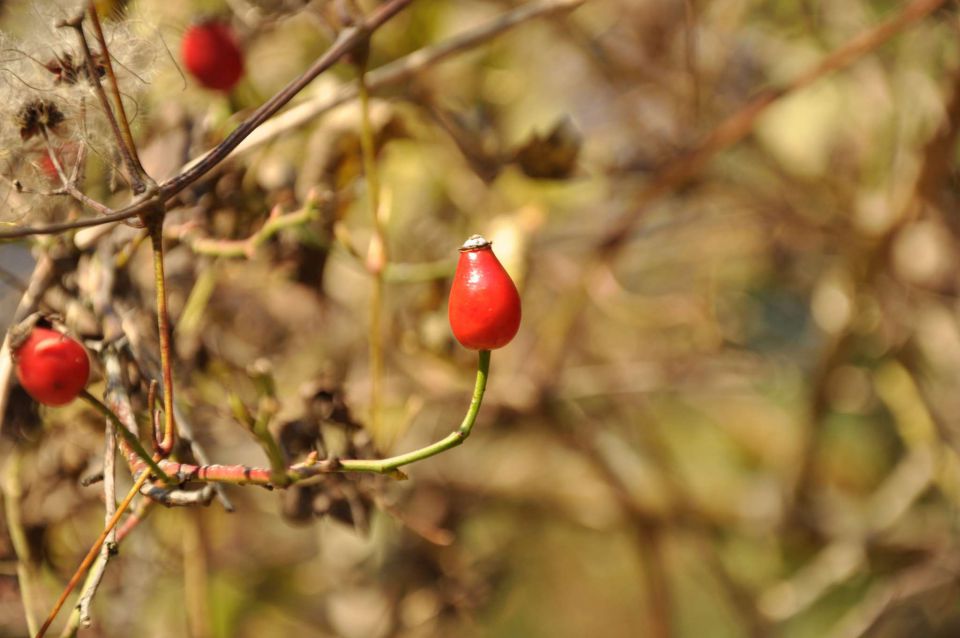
345 43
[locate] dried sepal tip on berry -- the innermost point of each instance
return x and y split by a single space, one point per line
484 308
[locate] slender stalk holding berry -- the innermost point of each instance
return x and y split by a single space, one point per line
455 438
92 554
128 437
239 474
484 312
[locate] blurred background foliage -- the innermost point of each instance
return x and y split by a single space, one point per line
741 419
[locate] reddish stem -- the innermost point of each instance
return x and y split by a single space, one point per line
155 229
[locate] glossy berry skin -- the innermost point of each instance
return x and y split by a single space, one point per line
51 367
484 307
210 53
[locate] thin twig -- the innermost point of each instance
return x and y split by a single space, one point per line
134 173
92 554
405 68
681 169
247 248
21 548
455 438
81 613
203 495
133 210
348 39
137 516
129 437
114 88
68 185
155 229
312 468
118 401
377 251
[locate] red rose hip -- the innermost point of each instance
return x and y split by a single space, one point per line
484 307
51 367
210 53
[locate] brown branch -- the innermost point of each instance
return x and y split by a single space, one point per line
345 43
128 212
114 87
348 39
680 170
407 67
135 172
118 402
81 612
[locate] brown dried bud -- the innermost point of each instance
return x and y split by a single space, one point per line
67 71
38 115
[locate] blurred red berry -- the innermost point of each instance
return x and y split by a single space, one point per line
66 155
210 53
51 367
484 307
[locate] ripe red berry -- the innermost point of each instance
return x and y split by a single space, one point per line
484 307
210 53
51 367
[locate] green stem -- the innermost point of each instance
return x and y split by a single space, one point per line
128 437
261 429
455 438
232 248
155 228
